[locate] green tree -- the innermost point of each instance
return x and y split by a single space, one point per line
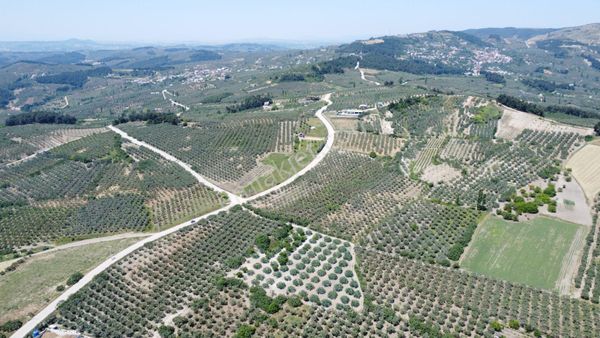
497 326
263 242
166 331
74 278
11 325
245 331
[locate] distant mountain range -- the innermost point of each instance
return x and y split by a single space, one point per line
72 45
509 32
587 34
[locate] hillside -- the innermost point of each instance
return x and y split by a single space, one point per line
587 34
435 184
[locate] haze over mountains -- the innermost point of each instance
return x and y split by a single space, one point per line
589 33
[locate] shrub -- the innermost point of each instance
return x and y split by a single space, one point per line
497 326
11 325
74 278
294 302
166 331
245 331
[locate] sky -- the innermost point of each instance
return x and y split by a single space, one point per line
221 21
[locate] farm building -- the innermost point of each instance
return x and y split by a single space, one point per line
351 113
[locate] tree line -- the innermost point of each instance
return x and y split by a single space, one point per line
533 108
5 96
75 78
547 86
413 66
149 117
45 117
493 77
250 102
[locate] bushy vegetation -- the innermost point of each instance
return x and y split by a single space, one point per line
150 117
520 105
250 102
204 55
216 98
547 86
593 61
76 78
5 97
44 117
528 202
537 109
493 77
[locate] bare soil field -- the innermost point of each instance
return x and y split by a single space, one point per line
439 173
572 206
585 164
343 124
513 122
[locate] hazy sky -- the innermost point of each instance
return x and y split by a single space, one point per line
237 20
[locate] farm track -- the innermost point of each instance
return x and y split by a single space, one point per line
234 201
571 262
78 244
48 148
362 75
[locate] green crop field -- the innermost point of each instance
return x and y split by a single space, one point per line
526 252
284 166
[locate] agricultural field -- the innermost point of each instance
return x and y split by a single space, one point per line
281 166
345 195
147 284
528 252
320 268
18 142
587 280
366 143
227 152
39 279
425 231
586 169
432 211
394 288
95 186
507 166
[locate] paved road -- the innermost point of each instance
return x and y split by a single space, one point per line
234 199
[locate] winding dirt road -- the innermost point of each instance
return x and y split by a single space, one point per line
233 198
